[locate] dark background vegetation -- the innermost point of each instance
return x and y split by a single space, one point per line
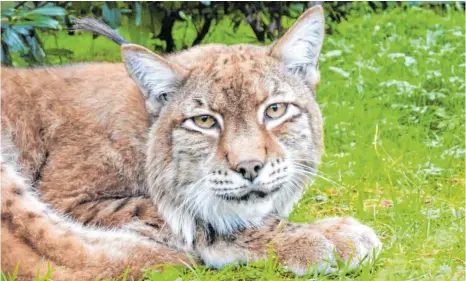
154 24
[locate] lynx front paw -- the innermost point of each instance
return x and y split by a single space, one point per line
330 240
354 242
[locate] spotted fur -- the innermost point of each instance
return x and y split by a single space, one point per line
36 237
116 146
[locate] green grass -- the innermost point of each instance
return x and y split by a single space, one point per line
392 94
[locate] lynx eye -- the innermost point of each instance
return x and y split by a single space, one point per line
276 110
204 121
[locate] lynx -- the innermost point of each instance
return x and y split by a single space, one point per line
200 154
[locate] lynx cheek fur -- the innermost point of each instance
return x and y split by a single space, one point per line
204 151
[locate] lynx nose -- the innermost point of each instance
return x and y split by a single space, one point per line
249 169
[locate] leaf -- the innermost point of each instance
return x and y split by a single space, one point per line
8 13
126 11
25 30
297 7
36 49
6 58
183 15
111 15
14 41
47 11
138 14
59 52
264 18
44 22
39 22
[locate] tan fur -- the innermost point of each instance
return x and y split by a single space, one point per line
95 147
34 236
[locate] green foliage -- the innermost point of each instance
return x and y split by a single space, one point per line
156 22
10 276
157 25
19 25
40 276
393 95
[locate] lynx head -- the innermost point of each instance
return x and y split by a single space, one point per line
236 129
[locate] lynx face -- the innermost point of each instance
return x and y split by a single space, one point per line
237 131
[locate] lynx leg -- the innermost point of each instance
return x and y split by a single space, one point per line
301 248
35 232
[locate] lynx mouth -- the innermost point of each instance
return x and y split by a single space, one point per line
252 194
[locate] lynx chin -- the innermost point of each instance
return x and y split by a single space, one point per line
202 152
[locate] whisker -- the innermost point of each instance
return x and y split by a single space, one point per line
311 169
307 160
309 173
288 188
298 182
202 202
193 192
315 173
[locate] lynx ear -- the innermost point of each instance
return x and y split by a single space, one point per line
299 48
157 78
